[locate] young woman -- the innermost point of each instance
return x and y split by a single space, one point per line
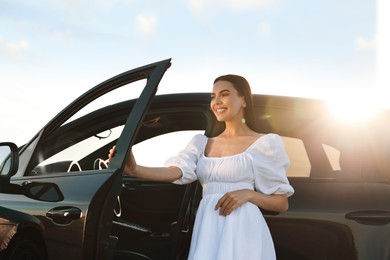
240 170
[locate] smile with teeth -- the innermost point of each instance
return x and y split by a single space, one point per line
221 110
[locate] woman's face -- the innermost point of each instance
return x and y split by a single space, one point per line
226 103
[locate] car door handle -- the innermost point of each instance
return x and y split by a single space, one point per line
370 217
64 215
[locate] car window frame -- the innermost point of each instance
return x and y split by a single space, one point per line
152 72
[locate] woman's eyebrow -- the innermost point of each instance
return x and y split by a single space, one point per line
222 91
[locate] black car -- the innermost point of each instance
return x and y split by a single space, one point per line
75 206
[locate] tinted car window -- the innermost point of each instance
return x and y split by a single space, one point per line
67 160
82 142
130 91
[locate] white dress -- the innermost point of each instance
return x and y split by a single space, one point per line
243 234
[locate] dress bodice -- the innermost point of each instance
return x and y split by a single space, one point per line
262 166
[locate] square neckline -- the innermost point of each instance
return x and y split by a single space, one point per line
233 155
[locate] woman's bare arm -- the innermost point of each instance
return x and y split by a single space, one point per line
163 174
232 200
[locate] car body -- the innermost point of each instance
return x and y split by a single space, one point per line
340 173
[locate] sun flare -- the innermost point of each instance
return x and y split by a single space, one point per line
353 110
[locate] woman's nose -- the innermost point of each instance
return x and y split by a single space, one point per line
215 101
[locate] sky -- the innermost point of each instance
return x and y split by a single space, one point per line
51 52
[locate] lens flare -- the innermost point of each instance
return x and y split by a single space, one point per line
353 110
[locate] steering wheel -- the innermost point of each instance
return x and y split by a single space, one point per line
100 164
74 166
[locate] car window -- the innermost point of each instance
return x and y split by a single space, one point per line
333 156
69 159
299 160
82 142
154 151
127 92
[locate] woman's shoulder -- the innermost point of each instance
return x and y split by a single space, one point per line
272 137
266 142
198 142
199 138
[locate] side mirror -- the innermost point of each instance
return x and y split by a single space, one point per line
9 163
9 159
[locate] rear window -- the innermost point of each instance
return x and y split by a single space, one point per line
299 161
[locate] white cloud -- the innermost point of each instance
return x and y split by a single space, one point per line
212 6
246 4
264 28
197 5
13 48
365 44
63 36
146 24
76 6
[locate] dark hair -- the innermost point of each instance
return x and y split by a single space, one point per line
242 86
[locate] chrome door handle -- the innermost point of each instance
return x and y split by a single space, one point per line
64 215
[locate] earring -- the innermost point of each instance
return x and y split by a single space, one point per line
243 120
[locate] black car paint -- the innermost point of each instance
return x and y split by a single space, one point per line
11 221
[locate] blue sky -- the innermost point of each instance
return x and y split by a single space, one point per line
53 51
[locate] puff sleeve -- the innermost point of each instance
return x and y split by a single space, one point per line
187 159
270 163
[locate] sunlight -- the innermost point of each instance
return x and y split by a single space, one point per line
365 106
353 110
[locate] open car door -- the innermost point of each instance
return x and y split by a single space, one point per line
70 152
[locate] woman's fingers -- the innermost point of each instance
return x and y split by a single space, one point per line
228 207
112 152
231 201
227 204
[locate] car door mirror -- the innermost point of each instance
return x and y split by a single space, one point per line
9 159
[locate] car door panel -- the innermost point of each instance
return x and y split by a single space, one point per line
149 213
333 217
149 204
